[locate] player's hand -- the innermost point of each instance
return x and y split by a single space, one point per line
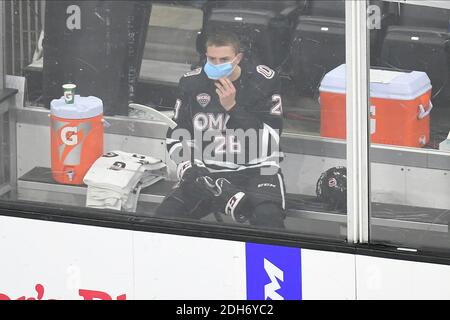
188 176
227 93
187 171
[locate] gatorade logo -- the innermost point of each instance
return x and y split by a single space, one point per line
69 136
423 140
70 140
68 96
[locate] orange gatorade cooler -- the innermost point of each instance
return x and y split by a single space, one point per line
76 137
399 106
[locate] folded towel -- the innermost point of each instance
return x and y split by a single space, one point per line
115 180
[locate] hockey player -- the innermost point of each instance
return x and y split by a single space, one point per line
226 143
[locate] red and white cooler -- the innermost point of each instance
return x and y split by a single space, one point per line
399 106
76 137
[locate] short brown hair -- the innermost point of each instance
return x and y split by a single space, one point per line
221 38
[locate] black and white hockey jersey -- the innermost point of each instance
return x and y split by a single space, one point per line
247 136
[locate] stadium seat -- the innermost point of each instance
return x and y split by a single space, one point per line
421 42
423 16
170 48
327 8
264 27
99 58
318 42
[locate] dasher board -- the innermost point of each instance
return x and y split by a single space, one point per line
299 206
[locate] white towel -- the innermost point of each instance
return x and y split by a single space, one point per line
103 199
115 180
130 203
120 171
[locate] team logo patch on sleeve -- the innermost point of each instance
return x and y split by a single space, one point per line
193 72
265 71
203 99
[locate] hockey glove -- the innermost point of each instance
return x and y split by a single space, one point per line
188 174
228 198
188 171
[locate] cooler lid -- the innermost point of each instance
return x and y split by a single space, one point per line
388 84
82 108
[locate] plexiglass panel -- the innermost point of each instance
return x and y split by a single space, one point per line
410 123
218 111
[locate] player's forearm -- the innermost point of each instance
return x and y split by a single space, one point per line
180 143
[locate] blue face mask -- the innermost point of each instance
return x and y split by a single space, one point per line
217 71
